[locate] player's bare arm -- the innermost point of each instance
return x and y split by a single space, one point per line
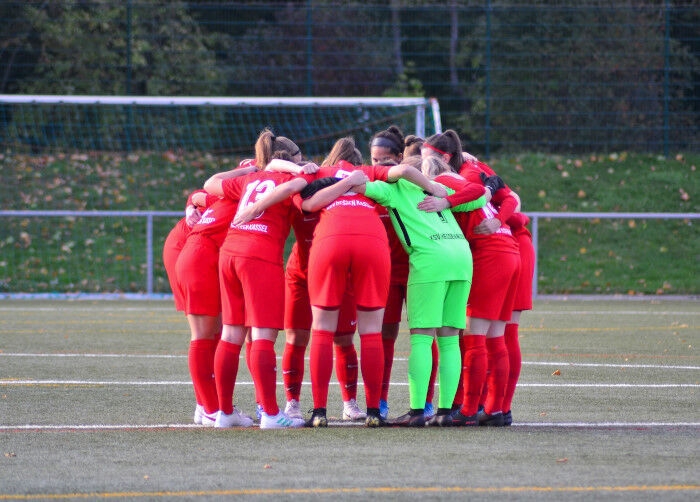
214 185
410 173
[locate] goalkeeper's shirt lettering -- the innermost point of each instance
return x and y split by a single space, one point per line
438 237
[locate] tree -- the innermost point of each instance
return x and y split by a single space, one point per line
94 48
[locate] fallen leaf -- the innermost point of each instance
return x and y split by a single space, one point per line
556 373
562 460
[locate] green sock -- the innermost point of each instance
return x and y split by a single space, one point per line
420 363
449 369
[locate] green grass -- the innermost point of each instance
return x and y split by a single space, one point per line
95 403
622 256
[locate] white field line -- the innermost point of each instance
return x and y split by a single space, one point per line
103 307
125 356
15 382
404 359
560 425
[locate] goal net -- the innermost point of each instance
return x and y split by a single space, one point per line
77 168
217 125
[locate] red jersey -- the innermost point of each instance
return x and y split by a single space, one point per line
351 213
502 240
471 171
304 225
264 237
215 221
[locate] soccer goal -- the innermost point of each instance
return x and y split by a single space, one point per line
219 125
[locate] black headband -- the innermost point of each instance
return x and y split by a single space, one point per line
386 143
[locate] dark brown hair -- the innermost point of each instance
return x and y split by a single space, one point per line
391 138
412 145
448 142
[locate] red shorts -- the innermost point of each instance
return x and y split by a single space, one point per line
297 306
364 260
523 295
198 276
494 283
171 251
394 304
252 292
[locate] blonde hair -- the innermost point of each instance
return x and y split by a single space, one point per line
413 161
343 149
433 166
267 144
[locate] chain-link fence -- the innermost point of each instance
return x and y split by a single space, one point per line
511 76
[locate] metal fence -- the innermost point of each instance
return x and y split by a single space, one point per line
511 76
150 266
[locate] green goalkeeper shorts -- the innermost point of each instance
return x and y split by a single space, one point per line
437 304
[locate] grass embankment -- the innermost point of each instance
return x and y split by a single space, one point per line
597 256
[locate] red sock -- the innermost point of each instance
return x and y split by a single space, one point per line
200 360
515 363
474 367
248 349
293 370
225 373
372 365
485 389
433 373
346 370
264 362
459 395
498 373
320 365
388 346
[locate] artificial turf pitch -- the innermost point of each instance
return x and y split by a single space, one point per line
95 403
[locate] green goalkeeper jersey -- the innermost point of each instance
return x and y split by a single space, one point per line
437 249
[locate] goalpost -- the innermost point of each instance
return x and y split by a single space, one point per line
218 125
63 149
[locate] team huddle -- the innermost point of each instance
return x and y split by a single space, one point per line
424 225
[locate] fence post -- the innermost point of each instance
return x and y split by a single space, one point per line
487 112
667 70
149 254
535 235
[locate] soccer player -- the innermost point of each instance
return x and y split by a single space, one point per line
297 325
172 247
509 213
523 301
198 280
251 277
386 148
